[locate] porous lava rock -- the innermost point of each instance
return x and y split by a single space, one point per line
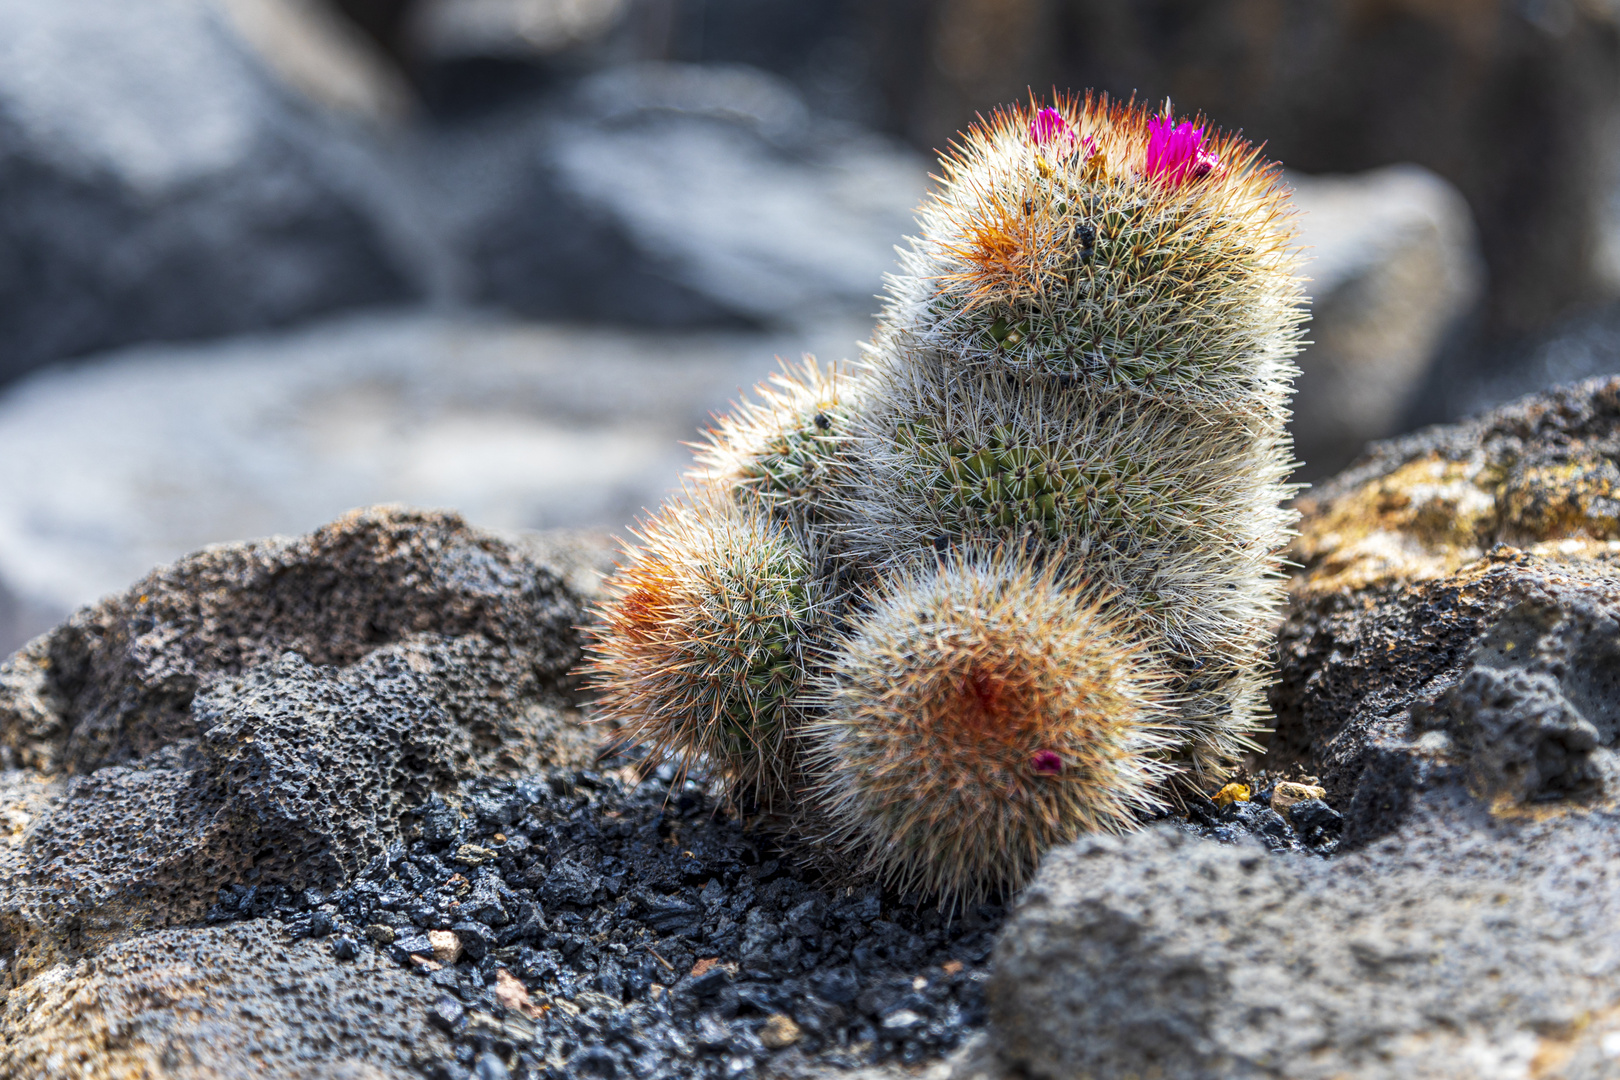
1465 946
1455 622
214 1002
270 711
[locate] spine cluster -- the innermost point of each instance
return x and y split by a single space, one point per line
1001 581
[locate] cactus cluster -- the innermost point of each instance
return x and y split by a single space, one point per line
1008 578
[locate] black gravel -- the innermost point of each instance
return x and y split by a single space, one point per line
655 935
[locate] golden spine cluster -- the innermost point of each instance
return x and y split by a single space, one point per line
1036 528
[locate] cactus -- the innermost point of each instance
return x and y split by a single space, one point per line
786 450
703 645
1058 469
979 714
1091 346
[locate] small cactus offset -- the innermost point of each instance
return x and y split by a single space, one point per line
702 651
1032 538
979 713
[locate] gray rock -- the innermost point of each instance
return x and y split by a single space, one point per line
322 55
127 461
446 31
269 711
157 183
1446 952
1394 268
1455 622
231 1001
669 194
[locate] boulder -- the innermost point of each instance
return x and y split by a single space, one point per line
1455 621
133 459
229 1001
157 182
1450 951
1395 269
270 712
671 195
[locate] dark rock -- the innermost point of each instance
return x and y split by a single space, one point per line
567 882
440 824
344 948
404 946
269 712
476 938
448 1015
1418 656
1316 821
159 185
709 984
1424 956
203 996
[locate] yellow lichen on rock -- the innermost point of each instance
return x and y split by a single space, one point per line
1577 498
1424 520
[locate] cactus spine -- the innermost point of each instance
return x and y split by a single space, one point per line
979 714
1068 427
702 647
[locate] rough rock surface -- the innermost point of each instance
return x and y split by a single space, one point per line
232 1001
1475 948
270 711
1456 616
157 183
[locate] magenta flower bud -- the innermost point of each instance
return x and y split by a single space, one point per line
1046 763
1049 126
1175 152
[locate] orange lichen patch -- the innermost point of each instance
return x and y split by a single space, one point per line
1424 520
1573 499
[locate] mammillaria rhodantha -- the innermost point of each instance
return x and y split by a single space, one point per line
1075 397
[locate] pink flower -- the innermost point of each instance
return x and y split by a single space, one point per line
1046 763
1175 152
1048 126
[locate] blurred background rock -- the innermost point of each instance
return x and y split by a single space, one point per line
264 260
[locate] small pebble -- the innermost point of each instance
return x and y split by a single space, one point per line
491 1067
380 933
1287 793
779 1031
344 948
1232 793
446 945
